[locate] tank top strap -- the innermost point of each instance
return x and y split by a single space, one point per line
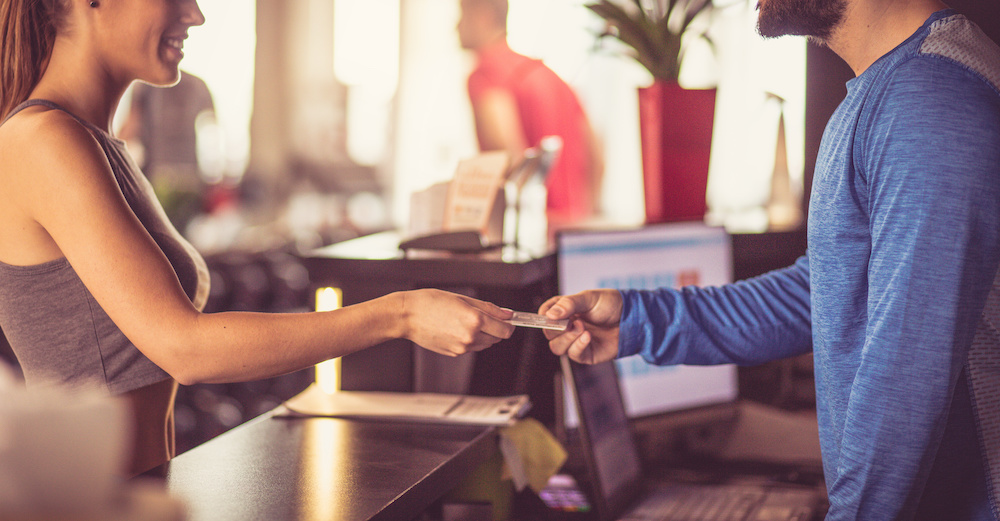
45 103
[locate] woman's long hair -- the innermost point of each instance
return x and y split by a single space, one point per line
27 33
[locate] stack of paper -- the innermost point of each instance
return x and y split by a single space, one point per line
423 407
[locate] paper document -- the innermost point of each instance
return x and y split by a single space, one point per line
423 407
473 191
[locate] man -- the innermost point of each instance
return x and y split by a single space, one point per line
898 295
517 101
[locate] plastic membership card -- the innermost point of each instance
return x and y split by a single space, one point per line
524 319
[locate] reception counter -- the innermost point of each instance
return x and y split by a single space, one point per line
278 468
372 266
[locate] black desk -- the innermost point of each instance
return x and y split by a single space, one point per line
278 469
377 258
372 266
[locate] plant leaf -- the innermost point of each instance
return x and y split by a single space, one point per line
631 32
691 12
657 42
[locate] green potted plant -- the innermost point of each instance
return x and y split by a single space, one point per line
675 123
655 33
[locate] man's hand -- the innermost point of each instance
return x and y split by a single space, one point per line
592 336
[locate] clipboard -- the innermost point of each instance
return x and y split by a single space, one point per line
403 406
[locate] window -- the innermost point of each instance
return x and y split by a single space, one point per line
759 81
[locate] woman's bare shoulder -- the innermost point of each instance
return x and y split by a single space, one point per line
41 144
34 166
41 126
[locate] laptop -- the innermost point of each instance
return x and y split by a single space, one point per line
621 491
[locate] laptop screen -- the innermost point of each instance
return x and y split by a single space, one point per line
613 465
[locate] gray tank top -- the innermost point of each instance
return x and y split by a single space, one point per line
56 328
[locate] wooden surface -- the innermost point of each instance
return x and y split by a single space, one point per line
287 469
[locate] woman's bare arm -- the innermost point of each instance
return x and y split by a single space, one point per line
67 186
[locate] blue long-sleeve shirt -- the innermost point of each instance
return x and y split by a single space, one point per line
898 296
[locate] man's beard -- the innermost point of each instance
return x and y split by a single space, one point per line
815 19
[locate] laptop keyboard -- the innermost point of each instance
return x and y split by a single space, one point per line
722 503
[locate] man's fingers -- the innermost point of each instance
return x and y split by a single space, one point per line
548 305
579 350
560 343
565 306
575 324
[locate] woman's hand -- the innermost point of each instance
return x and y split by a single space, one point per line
452 324
592 335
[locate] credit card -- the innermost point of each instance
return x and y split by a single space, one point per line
525 319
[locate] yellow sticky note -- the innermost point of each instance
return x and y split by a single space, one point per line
531 453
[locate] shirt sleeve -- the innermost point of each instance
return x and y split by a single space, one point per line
930 152
747 323
481 81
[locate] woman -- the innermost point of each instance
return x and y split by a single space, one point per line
95 285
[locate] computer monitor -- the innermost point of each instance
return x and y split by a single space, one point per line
655 256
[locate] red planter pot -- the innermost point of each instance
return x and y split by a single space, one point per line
676 131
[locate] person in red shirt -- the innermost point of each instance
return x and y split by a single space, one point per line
517 101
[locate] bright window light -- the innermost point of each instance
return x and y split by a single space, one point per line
366 59
221 52
328 373
366 44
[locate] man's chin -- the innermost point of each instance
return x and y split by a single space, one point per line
771 33
817 21
771 27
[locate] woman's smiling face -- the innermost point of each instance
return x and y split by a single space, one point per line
144 39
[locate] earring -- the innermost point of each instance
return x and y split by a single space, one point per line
94 3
